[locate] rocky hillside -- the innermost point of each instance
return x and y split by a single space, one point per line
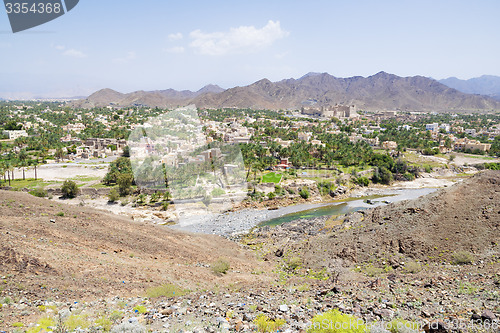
381 91
461 222
51 250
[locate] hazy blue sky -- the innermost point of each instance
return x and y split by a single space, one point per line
158 44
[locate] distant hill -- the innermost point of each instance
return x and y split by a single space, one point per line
381 91
159 98
488 85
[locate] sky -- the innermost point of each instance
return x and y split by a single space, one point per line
159 44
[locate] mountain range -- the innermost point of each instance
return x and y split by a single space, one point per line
382 91
485 85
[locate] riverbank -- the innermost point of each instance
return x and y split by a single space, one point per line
243 218
241 221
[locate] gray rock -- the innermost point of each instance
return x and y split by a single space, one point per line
488 316
284 308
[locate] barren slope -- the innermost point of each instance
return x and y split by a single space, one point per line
464 217
88 253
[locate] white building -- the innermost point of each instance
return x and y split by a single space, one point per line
15 134
432 127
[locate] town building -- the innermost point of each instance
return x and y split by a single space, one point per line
15 134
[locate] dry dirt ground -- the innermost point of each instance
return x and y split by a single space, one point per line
89 254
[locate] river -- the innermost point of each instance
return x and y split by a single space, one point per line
242 221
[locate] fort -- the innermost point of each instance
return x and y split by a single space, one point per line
330 111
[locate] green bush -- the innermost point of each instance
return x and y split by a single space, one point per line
70 189
294 263
304 193
271 195
75 321
140 309
43 325
217 192
462 258
38 192
279 190
264 324
220 267
61 214
362 181
113 195
334 321
105 323
373 271
325 187
492 166
382 175
409 176
166 290
124 182
413 267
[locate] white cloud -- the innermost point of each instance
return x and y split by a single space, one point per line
237 40
175 49
59 47
175 36
74 53
127 58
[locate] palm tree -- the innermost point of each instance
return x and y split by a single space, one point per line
59 154
23 162
2 171
8 167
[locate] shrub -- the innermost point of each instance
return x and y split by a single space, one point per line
140 309
409 176
362 181
75 321
70 189
115 316
105 323
264 324
217 192
462 258
373 271
124 202
166 290
60 214
38 192
335 321
43 325
124 182
207 199
304 193
294 263
113 195
325 187
382 175
271 195
279 190
220 267
413 267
